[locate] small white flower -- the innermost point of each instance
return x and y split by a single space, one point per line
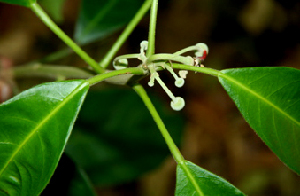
178 103
201 47
152 78
183 73
144 45
179 82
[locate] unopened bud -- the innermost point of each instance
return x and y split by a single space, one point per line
177 103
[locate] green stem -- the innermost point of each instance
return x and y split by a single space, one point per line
48 22
152 28
169 141
163 85
205 70
123 37
161 126
101 77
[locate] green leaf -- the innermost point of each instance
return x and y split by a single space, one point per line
101 18
54 8
26 3
208 183
115 138
269 100
81 184
35 126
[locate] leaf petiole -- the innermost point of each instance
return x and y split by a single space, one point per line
204 70
101 77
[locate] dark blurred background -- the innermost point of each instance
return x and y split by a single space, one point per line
239 33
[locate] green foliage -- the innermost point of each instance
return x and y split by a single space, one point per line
268 99
35 126
208 183
81 184
54 8
26 3
100 18
115 139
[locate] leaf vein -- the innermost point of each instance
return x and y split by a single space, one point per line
259 78
190 176
255 94
40 124
281 88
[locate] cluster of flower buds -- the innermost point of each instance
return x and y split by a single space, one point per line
177 103
156 61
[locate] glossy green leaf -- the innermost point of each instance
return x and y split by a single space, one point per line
26 3
98 19
204 183
35 126
115 138
269 100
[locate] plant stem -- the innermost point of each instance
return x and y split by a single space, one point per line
161 126
48 22
123 37
101 77
169 141
152 28
205 70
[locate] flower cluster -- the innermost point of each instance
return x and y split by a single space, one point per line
157 61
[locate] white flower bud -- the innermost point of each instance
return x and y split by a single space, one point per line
152 79
177 103
151 83
144 45
183 73
179 82
201 47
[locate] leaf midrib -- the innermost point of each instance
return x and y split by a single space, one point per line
259 97
39 125
190 176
